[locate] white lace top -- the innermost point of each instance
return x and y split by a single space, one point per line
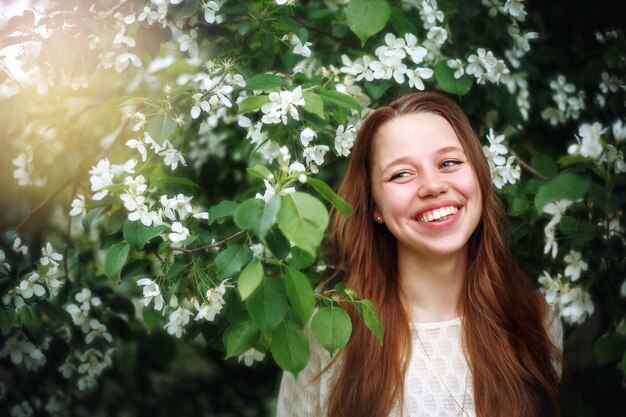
424 392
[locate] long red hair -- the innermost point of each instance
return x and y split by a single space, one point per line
510 353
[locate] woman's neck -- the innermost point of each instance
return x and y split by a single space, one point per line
432 287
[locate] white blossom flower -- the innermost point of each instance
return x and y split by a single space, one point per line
270 191
211 8
619 130
101 178
299 48
98 330
177 207
142 144
30 286
344 139
359 68
177 321
250 356
430 14
307 136
187 42
49 256
3 258
589 140
179 232
23 409
515 8
151 291
78 206
51 281
575 265
123 61
557 210
486 67
282 104
171 156
314 156
296 167
614 157
18 247
415 51
416 76
457 66
22 351
576 305
609 83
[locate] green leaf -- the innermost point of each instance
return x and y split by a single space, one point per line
230 261
341 99
7 316
329 195
300 292
544 163
371 318
138 235
518 206
115 260
151 318
55 312
332 328
445 78
577 231
161 128
254 214
567 185
277 243
253 103
314 104
222 210
177 184
263 82
300 259
401 22
290 347
609 348
260 171
250 278
378 88
267 305
29 317
240 338
367 17
303 220
93 215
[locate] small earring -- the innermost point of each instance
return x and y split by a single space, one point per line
379 219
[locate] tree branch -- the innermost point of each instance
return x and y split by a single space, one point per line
527 166
211 246
44 203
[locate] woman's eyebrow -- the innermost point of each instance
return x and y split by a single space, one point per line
448 149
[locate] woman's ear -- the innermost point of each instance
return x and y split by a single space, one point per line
377 217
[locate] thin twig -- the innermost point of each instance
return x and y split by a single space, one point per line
527 166
44 203
316 30
211 246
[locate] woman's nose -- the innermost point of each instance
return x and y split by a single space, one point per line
431 184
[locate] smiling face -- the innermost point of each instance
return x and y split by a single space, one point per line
424 187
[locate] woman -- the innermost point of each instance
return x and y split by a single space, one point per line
466 334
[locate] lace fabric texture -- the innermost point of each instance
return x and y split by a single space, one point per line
424 394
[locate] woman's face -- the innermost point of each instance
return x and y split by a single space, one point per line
424 187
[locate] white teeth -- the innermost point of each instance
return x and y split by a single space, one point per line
437 214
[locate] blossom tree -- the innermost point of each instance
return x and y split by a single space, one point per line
171 166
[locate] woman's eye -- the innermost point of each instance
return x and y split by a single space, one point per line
449 163
399 175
